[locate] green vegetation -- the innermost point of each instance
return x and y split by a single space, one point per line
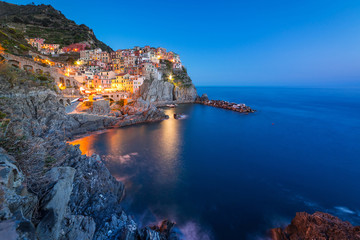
43 21
121 102
13 41
2 115
11 77
178 77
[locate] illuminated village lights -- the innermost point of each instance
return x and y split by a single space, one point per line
1 49
61 86
44 61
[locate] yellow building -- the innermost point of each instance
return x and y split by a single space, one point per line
119 82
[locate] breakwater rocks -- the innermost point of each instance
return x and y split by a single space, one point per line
48 189
242 108
316 226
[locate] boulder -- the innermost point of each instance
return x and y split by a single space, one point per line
54 205
16 203
100 107
319 226
203 98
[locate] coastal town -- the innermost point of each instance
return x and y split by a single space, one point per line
115 75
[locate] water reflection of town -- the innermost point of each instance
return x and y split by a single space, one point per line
86 144
146 151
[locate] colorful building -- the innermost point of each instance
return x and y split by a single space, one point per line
76 47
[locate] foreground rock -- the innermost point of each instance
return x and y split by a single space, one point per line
320 226
17 205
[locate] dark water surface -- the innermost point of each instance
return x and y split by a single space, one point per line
225 175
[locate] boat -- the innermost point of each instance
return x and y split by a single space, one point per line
170 105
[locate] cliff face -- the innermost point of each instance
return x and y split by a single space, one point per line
316 226
175 86
158 91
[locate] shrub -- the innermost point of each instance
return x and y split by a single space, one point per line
24 48
12 30
43 78
2 115
121 102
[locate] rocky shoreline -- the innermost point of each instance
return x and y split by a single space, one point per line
316 226
141 112
242 108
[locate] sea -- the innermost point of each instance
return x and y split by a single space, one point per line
221 174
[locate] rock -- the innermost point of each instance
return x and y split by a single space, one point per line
79 227
157 90
203 98
16 203
54 205
82 123
316 226
100 107
162 232
17 228
186 93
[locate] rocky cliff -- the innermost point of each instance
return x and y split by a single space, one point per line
175 86
48 190
316 226
158 91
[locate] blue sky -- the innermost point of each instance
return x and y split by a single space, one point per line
236 43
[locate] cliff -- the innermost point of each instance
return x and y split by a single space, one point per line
43 21
316 226
178 89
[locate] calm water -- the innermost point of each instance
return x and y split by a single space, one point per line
224 175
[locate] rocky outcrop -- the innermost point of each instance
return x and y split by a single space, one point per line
185 93
53 207
316 226
136 112
16 203
158 91
203 98
100 107
81 123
